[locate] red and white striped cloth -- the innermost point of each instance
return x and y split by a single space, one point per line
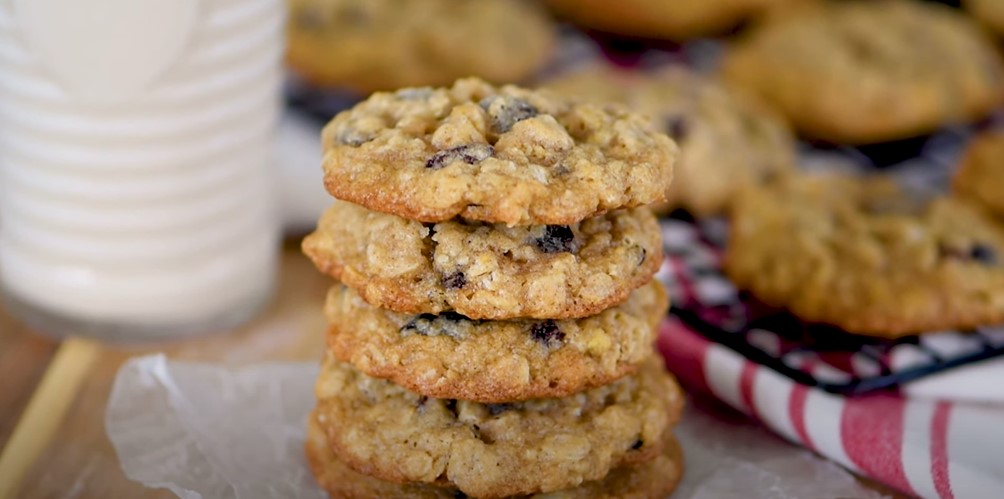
931 449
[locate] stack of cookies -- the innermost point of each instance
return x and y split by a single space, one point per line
492 332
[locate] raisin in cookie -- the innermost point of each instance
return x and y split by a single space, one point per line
504 155
981 176
726 140
863 72
542 445
369 45
488 271
654 479
664 19
451 356
866 256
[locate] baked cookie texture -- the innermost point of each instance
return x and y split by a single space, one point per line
727 139
867 256
504 155
543 445
663 19
980 177
453 357
492 334
651 480
488 271
989 13
865 72
369 45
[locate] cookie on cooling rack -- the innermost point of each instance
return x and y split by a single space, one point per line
867 256
865 72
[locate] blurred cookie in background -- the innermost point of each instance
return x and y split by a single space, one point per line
988 12
662 19
370 45
980 177
867 72
867 256
726 139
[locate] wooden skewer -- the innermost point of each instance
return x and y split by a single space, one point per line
45 411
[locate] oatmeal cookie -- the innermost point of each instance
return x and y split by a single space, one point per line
663 19
867 256
726 139
485 271
452 356
981 176
651 480
502 155
862 72
543 445
369 45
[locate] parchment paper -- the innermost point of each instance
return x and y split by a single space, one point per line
209 431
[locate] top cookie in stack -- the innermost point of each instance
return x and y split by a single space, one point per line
493 332
501 155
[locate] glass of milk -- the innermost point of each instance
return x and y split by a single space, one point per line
135 160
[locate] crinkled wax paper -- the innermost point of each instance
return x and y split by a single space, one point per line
207 431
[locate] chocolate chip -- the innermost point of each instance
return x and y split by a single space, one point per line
496 409
637 444
547 332
470 154
459 495
556 239
983 254
506 111
677 127
455 280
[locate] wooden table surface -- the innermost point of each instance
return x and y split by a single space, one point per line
79 461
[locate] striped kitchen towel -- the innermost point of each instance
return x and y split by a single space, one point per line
933 449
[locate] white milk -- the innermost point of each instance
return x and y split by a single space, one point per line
135 160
